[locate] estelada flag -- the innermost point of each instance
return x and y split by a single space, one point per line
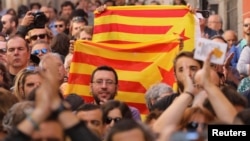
138 66
133 24
139 43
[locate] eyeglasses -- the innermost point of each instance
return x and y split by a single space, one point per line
3 50
246 25
58 25
192 126
30 68
101 81
41 36
109 120
43 51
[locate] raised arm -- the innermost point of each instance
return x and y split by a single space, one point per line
223 108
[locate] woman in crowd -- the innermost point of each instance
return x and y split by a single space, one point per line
114 111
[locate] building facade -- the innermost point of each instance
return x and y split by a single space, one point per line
231 11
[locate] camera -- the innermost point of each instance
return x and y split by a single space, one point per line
40 20
204 13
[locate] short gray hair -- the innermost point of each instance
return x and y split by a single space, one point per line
16 114
155 91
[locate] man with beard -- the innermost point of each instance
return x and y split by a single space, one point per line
104 87
10 24
236 49
183 58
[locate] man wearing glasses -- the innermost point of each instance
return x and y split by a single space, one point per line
245 41
61 25
104 87
40 48
41 34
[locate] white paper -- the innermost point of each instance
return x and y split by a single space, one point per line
204 46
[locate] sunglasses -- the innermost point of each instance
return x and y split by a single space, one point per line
41 36
32 69
3 50
109 120
192 126
78 19
36 52
58 25
246 25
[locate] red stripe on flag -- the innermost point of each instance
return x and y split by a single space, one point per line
75 78
141 107
126 86
157 13
129 86
131 29
149 48
117 42
95 60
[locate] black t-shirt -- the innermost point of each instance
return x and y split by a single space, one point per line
12 80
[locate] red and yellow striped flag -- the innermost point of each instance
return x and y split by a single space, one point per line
138 66
133 24
138 43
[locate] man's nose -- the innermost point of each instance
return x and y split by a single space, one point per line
104 84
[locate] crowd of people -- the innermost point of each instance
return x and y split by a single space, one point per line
36 50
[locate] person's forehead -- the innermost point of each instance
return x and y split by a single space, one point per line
60 22
97 113
104 73
2 45
67 7
6 17
186 60
30 77
247 20
37 31
44 9
40 45
214 17
229 34
84 33
218 40
16 41
77 24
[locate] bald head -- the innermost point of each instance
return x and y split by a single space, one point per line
214 22
231 37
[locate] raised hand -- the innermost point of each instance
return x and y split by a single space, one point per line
202 77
